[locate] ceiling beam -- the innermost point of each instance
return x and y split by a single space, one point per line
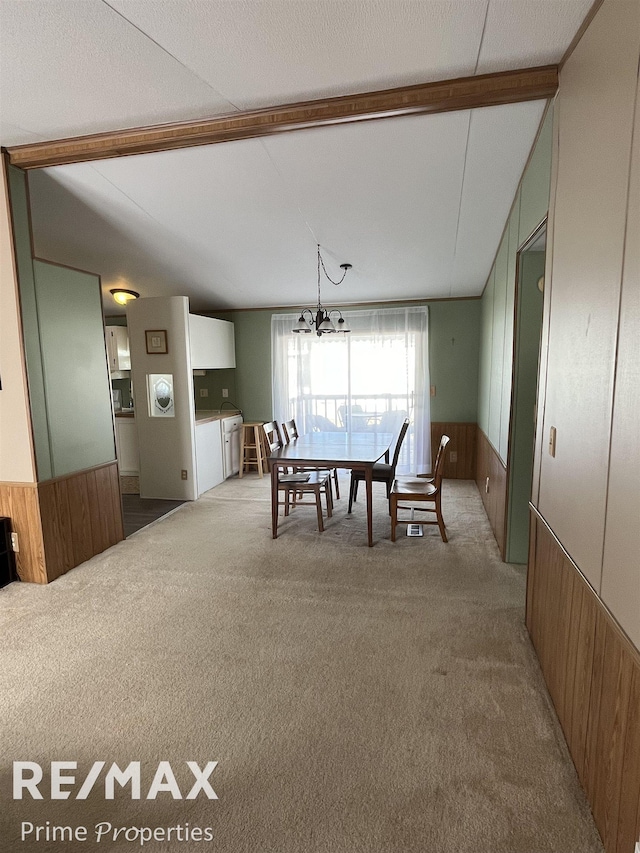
463 93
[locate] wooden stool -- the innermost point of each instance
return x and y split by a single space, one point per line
252 447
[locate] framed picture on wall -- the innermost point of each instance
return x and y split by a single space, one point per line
156 341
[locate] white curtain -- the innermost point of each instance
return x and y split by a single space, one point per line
368 379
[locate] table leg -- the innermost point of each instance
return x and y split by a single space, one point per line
368 480
274 501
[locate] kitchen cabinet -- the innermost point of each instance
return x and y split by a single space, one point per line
211 343
127 446
117 340
209 461
231 434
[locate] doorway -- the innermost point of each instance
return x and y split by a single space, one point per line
528 308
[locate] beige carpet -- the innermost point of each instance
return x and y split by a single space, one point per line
356 699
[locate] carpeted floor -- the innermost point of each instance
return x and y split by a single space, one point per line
356 699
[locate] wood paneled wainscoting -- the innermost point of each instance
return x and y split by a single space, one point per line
462 445
592 671
491 477
20 502
63 522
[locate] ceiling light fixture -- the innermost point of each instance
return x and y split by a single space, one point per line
122 296
320 320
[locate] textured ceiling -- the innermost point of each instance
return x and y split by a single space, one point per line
417 204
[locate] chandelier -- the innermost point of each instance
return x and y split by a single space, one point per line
319 321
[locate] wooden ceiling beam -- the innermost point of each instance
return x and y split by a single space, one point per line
463 93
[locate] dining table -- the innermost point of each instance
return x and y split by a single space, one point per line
350 450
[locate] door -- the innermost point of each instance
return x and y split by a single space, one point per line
528 327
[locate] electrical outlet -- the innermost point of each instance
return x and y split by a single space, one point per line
453 456
204 392
183 474
433 390
225 392
14 543
552 441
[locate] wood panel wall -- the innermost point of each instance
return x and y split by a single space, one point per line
20 503
489 465
592 671
81 516
63 522
463 444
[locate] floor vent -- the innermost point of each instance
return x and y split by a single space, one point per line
414 530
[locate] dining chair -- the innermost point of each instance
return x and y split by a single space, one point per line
290 431
420 490
383 472
344 413
300 482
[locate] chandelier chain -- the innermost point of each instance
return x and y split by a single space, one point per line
320 261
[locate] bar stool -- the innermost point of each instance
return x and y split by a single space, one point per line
252 450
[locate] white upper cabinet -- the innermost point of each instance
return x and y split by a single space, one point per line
212 343
118 355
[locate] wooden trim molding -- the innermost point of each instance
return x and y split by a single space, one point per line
491 479
84 472
592 671
463 93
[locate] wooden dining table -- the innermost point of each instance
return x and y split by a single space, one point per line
351 450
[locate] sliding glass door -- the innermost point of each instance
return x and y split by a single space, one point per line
367 380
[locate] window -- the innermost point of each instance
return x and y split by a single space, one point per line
369 379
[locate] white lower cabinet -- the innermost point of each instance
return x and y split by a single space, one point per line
127 447
231 428
209 461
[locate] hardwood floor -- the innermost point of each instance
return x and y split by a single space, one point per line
138 512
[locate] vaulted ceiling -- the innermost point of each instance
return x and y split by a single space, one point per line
416 203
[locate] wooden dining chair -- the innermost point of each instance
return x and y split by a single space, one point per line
290 432
417 490
383 472
295 485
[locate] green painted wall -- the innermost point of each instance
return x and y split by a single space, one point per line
213 382
76 377
497 341
67 371
454 343
454 339
497 310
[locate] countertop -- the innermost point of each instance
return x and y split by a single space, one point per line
204 416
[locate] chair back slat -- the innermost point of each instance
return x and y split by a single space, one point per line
290 430
273 435
400 439
439 464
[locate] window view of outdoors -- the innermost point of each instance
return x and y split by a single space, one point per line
354 382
